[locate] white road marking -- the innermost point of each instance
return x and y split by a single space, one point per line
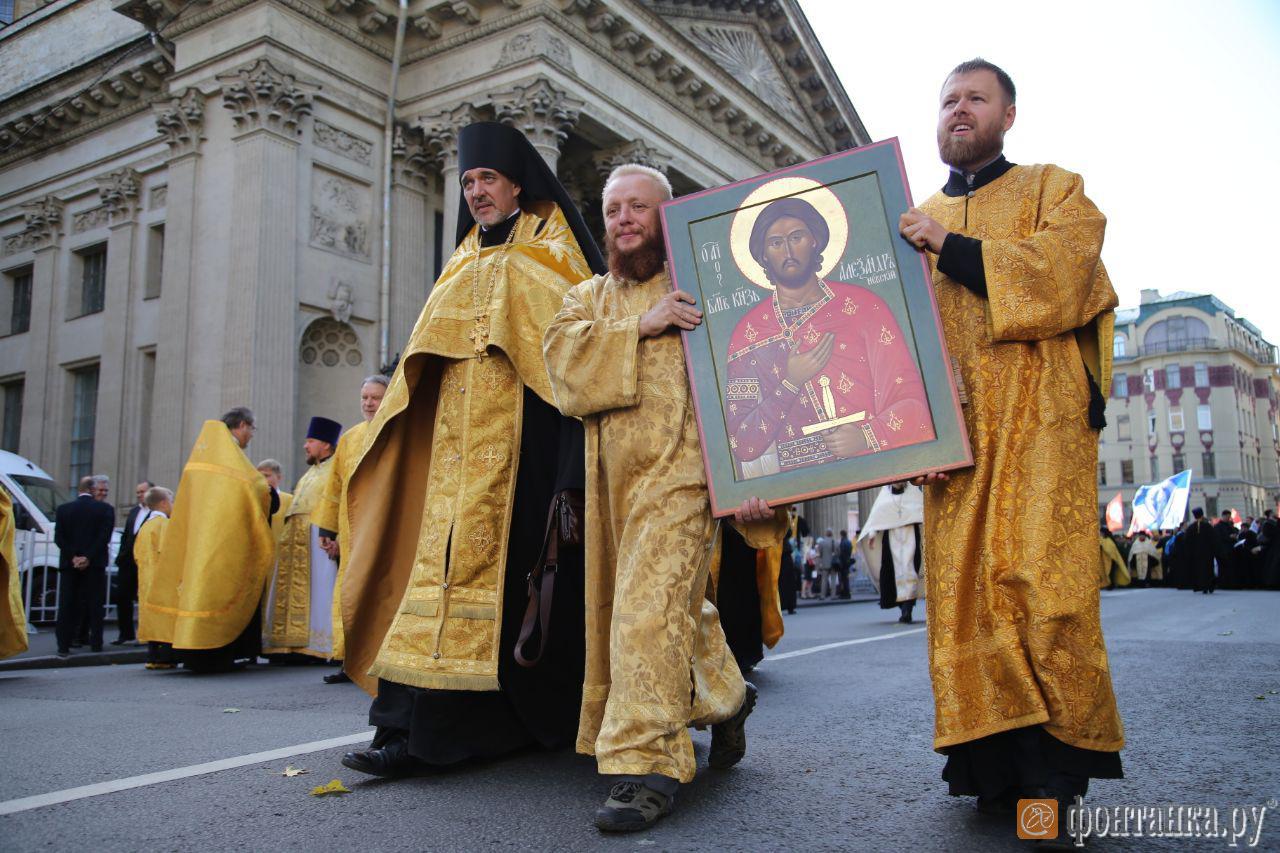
815 649
23 804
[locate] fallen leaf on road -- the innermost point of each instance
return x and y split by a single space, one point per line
292 771
231 710
1273 692
1225 633
1259 696
334 787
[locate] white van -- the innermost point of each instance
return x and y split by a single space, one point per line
36 497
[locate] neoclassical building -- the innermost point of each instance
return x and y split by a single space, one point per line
1196 387
207 203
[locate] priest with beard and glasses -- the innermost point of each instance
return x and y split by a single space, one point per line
448 506
657 658
1021 682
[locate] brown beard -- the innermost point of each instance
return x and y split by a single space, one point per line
639 264
982 146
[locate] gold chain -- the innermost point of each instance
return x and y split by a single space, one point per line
480 332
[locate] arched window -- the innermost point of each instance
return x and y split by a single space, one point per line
328 343
1176 334
1117 348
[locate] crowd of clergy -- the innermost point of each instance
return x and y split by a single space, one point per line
515 548
1200 555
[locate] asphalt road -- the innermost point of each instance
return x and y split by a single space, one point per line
839 755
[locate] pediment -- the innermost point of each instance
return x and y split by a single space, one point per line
769 47
739 50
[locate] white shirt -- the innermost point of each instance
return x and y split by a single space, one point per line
139 519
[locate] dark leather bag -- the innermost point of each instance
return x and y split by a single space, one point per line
564 530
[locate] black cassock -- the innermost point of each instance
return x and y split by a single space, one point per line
1199 547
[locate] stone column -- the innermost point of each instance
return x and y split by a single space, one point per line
115 433
824 513
411 240
440 133
542 113
181 122
43 233
260 362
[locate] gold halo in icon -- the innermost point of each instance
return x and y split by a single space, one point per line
807 189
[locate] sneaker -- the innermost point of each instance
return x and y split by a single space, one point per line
729 739
632 806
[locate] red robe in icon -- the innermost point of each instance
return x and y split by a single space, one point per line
871 370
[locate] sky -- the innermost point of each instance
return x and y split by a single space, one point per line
1169 110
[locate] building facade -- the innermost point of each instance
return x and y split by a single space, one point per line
206 203
1195 387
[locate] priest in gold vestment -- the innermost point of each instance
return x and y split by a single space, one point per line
1022 686
217 550
299 614
329 515
13 617
615 360
448 506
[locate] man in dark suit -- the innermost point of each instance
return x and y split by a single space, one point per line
82 533
127 567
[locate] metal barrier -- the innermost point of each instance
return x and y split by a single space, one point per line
42 584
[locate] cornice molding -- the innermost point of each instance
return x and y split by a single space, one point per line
121 95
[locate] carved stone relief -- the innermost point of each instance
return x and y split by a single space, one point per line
341 301
740 52
159 197
341 211
341 142
539 43
94 217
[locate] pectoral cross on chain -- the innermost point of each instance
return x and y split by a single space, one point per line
479 335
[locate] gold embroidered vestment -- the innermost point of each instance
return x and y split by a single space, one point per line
13 615
217 547
430 501
330 512
287 624
651 631
1011 544
155 624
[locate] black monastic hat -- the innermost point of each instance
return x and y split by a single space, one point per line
775 210
504 149
323 429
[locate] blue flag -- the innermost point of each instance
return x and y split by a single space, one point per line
1162 505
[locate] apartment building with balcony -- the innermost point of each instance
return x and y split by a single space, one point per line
1195 386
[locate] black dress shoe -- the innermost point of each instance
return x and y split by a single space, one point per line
119 642
95 648
64 653
338 677
392 761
